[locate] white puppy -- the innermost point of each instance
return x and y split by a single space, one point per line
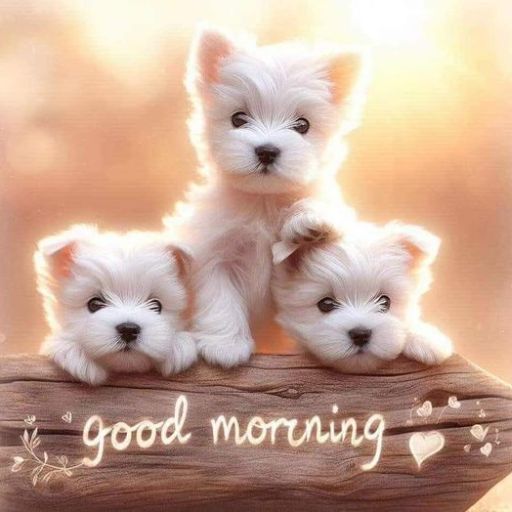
354 301
268 124
114 302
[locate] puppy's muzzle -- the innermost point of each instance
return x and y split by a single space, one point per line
360 336
128 331
267 154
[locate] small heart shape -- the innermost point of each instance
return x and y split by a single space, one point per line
68 417
423 445
482 414
479 432
486 449
30 420
467 448
425 410
453 402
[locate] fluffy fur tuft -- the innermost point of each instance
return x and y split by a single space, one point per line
126 272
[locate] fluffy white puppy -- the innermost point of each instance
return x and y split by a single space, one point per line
114 302
354 301
268 125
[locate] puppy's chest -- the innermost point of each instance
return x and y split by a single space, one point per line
247 245
253 266
252 240
252 246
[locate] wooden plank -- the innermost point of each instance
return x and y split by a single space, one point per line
200 475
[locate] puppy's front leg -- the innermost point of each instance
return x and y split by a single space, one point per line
221 326
182 354
427 344
72 358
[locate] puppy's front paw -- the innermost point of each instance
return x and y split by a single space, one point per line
94 375
307 226
427 344
182 355
85 370
71 358
225 352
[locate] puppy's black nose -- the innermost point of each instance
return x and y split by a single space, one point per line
267 153
128 331
360 336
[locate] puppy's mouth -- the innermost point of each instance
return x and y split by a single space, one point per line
262 169
122 346
359 351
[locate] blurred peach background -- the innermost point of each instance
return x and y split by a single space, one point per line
92 128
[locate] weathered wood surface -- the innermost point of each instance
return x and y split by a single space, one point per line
201 476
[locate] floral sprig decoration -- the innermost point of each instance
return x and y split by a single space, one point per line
42 470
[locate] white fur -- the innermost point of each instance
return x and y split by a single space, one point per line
127 270
367 262
232 219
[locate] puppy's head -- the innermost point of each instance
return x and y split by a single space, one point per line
120 297
269 119
349 302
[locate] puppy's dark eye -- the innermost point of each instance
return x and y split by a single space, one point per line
301 125
239 119
155 305
95 304
327 304
384 303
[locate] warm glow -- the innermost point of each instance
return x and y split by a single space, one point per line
93 129
125 35
391 22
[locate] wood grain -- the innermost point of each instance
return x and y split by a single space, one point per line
202 476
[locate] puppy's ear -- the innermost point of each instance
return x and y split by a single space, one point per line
58 250
421 245
209 48
348 70
282 251
292 253
182 256
288 254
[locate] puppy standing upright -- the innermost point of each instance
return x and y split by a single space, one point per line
267 124
114 302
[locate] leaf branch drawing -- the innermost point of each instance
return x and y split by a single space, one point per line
42 470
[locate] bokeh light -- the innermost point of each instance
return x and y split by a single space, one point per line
393 22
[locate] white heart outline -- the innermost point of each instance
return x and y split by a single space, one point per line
486 449
425 410
67 417
424 445
453 402
479 432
